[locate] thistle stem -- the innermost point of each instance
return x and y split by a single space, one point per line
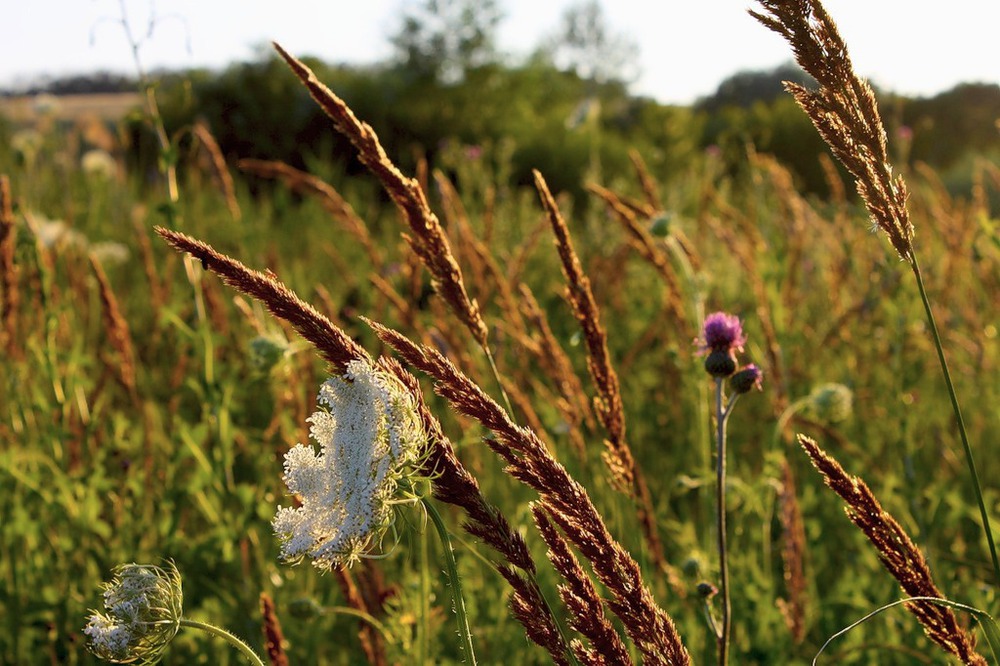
244 649
451 567
721 417
977 486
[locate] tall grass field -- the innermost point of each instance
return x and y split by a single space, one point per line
677 416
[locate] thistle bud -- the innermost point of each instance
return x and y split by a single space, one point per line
661 225
706 590
720 363
749 377
265 352
830 403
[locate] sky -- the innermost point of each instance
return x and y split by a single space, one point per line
686 46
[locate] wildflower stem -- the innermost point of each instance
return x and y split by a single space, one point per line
361 615
977 486
425 599
451 567
245 649
721 417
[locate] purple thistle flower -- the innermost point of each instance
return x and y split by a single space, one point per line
722 332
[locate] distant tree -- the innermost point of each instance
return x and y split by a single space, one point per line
442 40
80 84
953 123
745 88
586 45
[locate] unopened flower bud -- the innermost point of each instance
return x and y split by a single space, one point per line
304 609
749 377
706 590
265 352
720 363
661 224
830 403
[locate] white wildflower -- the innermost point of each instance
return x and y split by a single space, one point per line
26 144
45 104
99 164
370 438
54 234
110 252
143 605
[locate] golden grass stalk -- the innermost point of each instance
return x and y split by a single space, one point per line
328 197
157 288
553 358
646 245
793 550
573 405
608 404
274 639
452 482
846 115
117 330
646 181
625 474
844 112
371 641
9 294
898 554
427 238
562 498
456 222
582 600
220 171
479 258
335 346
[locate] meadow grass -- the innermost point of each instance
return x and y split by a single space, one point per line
147 406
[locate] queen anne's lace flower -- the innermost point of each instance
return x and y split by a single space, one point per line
370 436
143 605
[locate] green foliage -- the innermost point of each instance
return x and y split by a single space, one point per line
559 122
189 468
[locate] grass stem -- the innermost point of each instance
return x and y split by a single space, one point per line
977 486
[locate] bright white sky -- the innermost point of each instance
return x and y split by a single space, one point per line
687 46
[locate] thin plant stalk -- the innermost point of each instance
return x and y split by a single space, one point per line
370 619
425 596
977 486
846 115
451 568
233 640
724 629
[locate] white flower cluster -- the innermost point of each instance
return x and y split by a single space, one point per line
143 605
370 438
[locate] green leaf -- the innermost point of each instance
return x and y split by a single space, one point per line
986 621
